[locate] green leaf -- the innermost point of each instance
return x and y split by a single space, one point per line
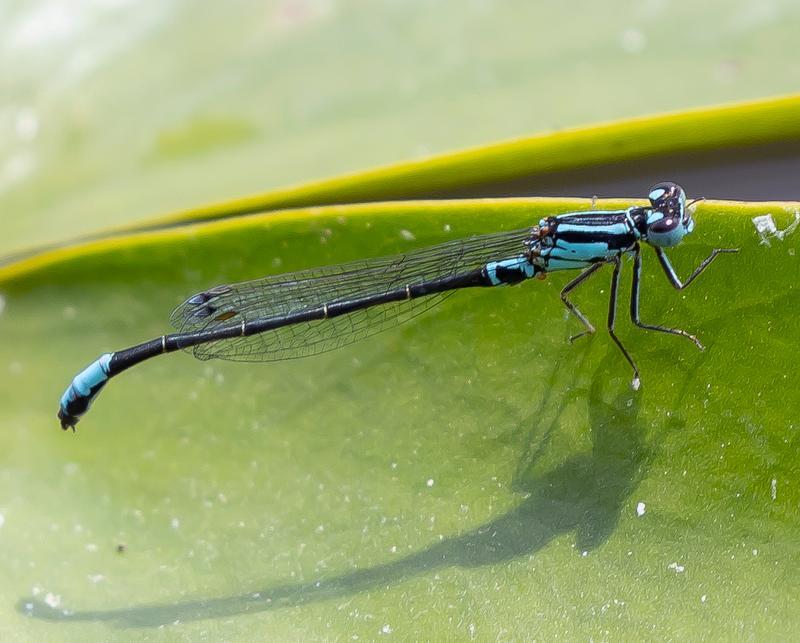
469 474
292 501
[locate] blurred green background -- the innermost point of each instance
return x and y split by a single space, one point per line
116 110
468 476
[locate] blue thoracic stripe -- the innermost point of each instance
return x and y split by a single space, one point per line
586 251
509 271
555 264
589 231
595 219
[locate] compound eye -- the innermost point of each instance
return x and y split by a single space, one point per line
667 224
664 194
660 194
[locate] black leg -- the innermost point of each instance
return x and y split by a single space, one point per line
612 317
572 285
672 275
637 273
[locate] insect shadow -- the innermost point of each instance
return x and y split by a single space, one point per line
584 494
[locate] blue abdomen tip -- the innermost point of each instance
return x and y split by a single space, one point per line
82 390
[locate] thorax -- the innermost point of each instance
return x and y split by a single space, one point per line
576 240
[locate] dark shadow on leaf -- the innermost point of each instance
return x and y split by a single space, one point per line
584 494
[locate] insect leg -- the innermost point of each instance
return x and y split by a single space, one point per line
637 273
612 317
572 285
673 276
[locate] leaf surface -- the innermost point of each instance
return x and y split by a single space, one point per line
468 474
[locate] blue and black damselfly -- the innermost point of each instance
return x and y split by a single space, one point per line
313 311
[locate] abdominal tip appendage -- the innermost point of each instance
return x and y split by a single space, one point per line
636 383
67 421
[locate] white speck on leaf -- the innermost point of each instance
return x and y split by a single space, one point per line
26 124
640 509
52 600
678 568
175 523
726 71
633 41
407 235
773 489
17 168
386 629
430 482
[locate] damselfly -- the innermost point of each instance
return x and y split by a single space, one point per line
312 311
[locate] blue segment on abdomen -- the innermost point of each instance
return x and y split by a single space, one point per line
509 271
88 382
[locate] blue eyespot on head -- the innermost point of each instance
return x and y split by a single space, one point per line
669 219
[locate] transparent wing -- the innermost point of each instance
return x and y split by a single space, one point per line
287 294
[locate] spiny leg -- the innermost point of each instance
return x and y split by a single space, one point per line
637 273
572 285
673 276
612 317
